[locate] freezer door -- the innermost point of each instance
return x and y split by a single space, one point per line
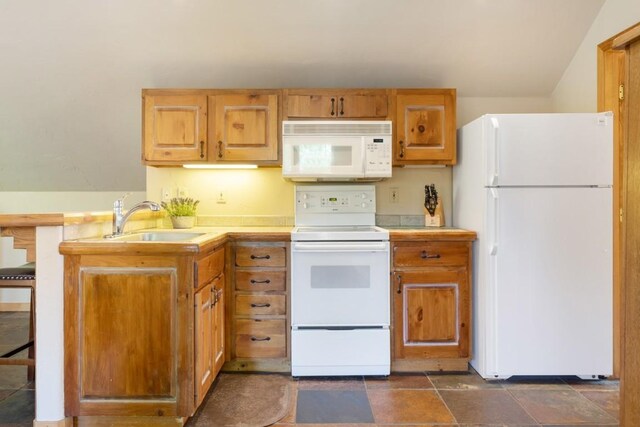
550 282
549 149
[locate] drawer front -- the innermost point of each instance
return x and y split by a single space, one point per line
260 256
260 338
260 280
253 305
210 266
430 254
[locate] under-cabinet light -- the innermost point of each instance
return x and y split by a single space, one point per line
210 166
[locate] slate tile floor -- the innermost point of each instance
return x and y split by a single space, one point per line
17 396
410 400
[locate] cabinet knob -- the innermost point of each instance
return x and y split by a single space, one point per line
260 339
253 281
401 155
202 149
342 106
260 256
399 280
220 153
333 105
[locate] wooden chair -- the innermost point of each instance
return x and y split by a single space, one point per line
22 277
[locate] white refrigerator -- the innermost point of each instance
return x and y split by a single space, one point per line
537 188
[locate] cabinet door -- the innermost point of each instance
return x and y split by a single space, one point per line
218 324
425 129
203 340
175 128
246 127
321 106
431 314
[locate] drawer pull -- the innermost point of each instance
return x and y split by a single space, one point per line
260 256
425 255
267 281
260 339
399 280
255 305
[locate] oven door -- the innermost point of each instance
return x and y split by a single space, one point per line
339 284
322 156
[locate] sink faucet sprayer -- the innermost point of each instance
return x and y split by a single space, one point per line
120 219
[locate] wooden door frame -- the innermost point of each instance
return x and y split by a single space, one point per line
611 72
619 60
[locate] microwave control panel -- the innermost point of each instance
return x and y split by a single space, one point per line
377 156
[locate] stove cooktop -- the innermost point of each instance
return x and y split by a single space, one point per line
339 233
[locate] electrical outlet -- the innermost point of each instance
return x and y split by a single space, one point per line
221 199
394 195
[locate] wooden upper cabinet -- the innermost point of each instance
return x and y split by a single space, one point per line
246 127
210 126
425 127
174 128
342 104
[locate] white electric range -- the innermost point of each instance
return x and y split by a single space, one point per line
340 309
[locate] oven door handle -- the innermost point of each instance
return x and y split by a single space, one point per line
329 247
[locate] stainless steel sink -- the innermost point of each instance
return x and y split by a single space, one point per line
157 237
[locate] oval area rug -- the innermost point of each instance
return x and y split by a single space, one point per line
239 399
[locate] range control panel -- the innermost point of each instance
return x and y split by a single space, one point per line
327 199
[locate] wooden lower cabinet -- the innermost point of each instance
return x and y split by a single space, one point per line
259 314
142 339
431 306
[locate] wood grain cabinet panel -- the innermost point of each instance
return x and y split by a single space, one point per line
260 256
431 305
116 360
258 338
142 338
210 126
336 104
259 318
425 125
174 128
204 335
246 127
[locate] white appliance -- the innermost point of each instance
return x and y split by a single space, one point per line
537 189
340 308
336 150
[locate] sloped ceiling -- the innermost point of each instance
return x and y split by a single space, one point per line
72 70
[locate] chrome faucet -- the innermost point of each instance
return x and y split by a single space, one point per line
120 219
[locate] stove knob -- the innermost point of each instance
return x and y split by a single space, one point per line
305 196
305 205
363 195
364 205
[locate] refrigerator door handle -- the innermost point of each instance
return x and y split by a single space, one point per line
493 230
493 178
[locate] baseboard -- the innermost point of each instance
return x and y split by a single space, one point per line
66 422
14 306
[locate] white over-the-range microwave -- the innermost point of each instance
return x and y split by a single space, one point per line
334 150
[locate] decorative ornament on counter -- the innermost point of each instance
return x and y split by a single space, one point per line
434 217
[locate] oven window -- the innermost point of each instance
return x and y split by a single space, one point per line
340 276
322 155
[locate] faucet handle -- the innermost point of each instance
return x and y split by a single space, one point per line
119 203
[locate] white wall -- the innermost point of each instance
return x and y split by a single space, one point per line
577 89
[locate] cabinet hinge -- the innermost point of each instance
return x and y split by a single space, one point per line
621 92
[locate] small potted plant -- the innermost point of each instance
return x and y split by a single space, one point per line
182 211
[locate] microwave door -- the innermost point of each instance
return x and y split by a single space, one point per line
309 156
